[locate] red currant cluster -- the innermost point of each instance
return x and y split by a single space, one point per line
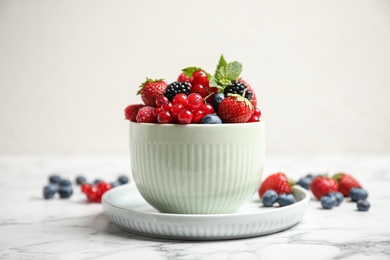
183 109
95 193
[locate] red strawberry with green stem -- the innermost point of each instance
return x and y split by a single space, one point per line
346 182
235 109
322 185
150 90
277 182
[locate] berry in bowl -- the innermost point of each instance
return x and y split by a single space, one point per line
197 145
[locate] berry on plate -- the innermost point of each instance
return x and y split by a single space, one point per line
357 194
131 112
346 183
150 90
322 185
277 182
269 198
235 109
286 199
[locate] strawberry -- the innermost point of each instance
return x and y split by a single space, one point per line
323 185
235 109
346 183
131 112
277 182
150 90
253 98
146 115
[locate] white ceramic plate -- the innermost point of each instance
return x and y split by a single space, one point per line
125 207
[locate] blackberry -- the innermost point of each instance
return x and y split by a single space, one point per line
238 87
175 88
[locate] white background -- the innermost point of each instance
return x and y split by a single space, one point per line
321 69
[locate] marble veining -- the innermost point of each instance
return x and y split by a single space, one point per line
34 228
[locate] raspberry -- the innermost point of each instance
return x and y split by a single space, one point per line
145 115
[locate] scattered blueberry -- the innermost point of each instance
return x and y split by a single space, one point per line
357 194
80 179
339 197
123 179
115 184
65 183
304 182
65 191
49 191
216 100
269 198
286 199
95 182
211 119
363 205
310 176
328 201
55 179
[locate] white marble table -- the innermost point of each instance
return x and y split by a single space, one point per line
34 228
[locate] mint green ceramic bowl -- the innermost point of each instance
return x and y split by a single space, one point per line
197 169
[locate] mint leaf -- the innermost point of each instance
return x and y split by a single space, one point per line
214 83
222 63
190 70
233 70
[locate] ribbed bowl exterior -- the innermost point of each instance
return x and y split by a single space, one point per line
197 169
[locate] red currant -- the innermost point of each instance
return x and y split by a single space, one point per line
167 107
102 187
194 101
183 78
199 77
207 109
84 187
185 116
92 194
201 90
164 117
156 111
253 118
176 109
180 98
161 100
197 116
257 112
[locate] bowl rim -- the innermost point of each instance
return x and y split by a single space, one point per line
199 125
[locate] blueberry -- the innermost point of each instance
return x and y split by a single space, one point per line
65 191
95 182
339 197
55 179
358 194
363 205
211 119
123 179
80 180
49 191
115 184
65 183
328 201
310 176
304 182
216 100
269 198
286 199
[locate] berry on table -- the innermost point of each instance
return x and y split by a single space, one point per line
80 180
123 179
217 99
65 191
55 179
235 109
49 191
269 198
277 182
145 115
322 185
115 184
185 116
286 199
131 112
65 183
339 197
97 181
211 119
357 194
346 182
304 182
363 205
175 88
103 187
85 186
150 90
328 201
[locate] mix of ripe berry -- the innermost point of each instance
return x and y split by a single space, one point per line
197 97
